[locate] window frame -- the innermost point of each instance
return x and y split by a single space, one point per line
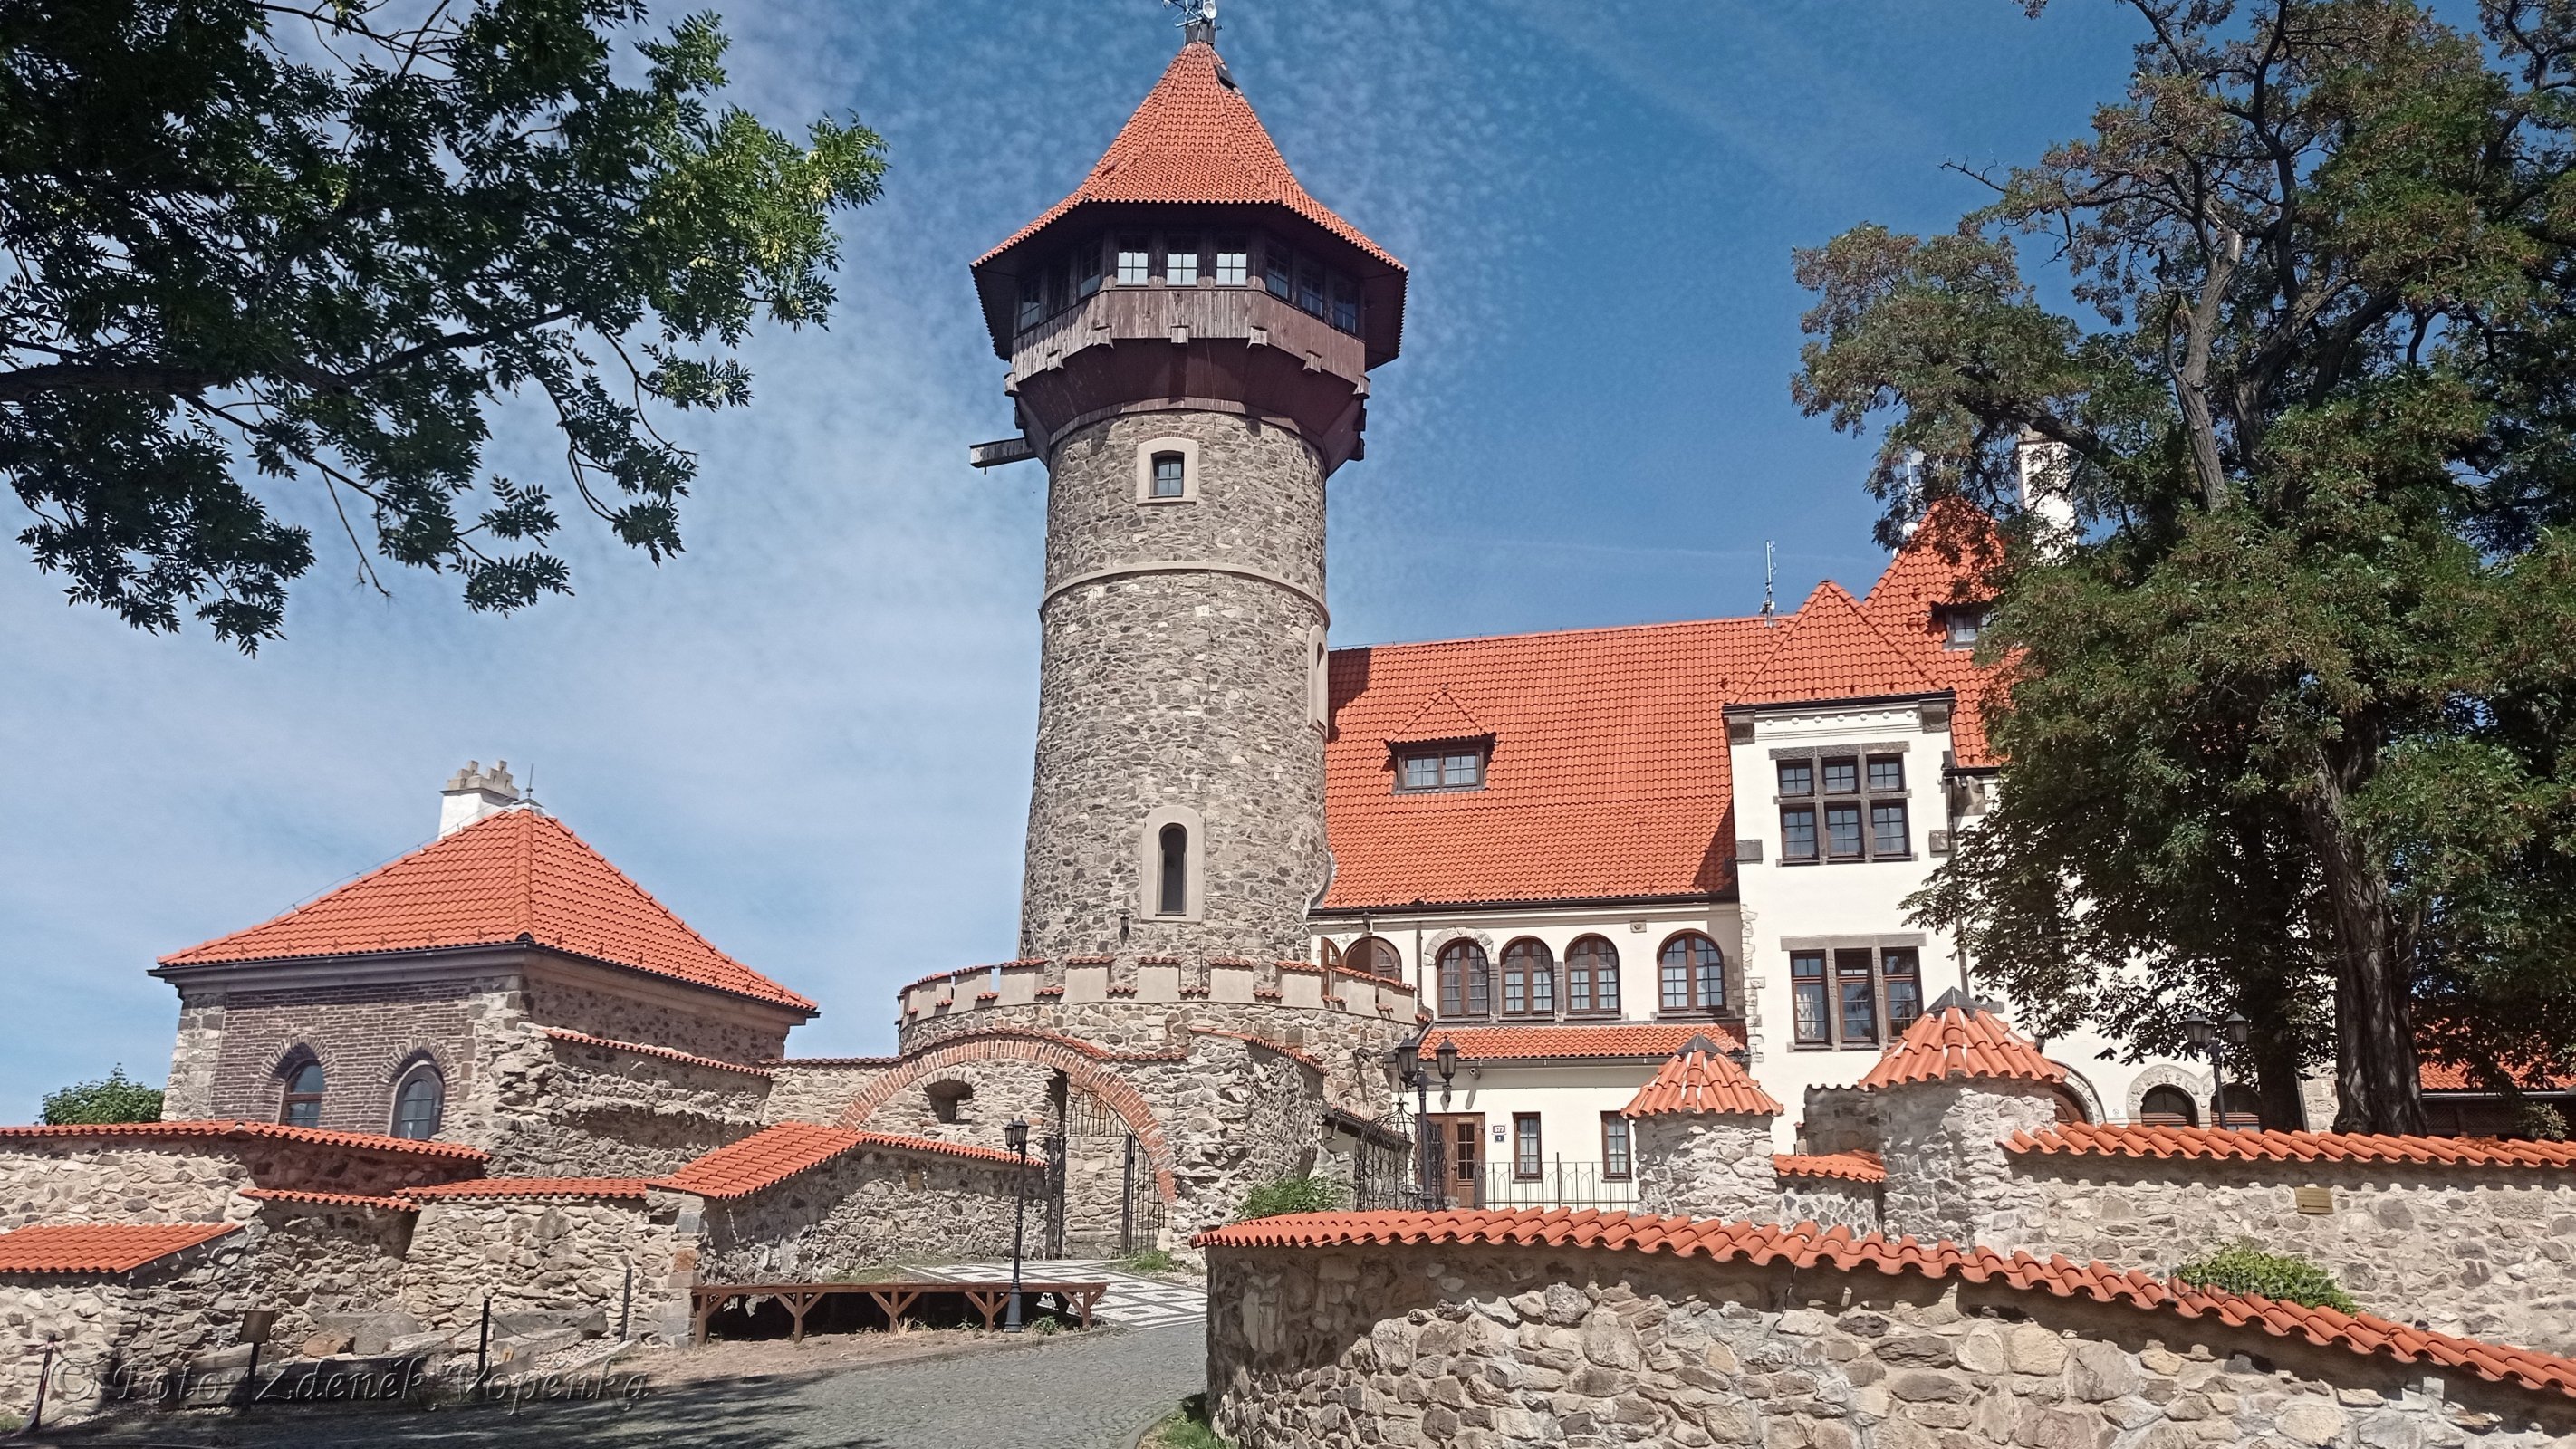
292 1096
1810 986
1820 1003
1363 949
417 1072
1476 979
1836 818
1443 756
1529 1148
1598 968
1695 976
1543 974
1616 1128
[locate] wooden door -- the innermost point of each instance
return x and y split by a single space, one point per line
1460 1157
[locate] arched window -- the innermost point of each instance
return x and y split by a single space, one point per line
1330 957
1466 980
1172 896
2168 1107
2070 1106
301 1104
420 1103
1529 979
1375 956
2238 1108
1592 977
1692 974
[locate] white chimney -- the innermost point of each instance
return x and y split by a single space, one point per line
2047 472
474 793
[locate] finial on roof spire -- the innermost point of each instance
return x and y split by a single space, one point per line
1198 20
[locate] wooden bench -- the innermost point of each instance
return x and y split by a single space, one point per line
893 1298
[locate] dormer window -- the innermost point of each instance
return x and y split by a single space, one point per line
1961 624
1446 767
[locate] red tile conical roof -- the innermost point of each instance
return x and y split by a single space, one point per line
1958 1040
1700 1078
1830 650
518 877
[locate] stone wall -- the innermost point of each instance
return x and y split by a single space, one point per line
1473 1346
549 1255
571 1109
1178 688
188 1179
1943 1145
865 1207
818 1089
112 1328
1829 1202
1706 1165
2486 1252
719 1027
310 1259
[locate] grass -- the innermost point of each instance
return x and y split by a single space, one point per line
1152 1260
1187 1428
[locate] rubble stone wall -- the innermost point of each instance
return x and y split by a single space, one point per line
721 1029
114 1331
2487 1252
819 1090
1943 1144
307 1260
548 1255
566 1109
1430 1345
188 1179
866 1207
1829 1202
1351 1046
1706 1165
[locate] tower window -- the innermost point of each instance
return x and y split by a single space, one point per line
1171 475
1278 270
420 1103
1033 308
1135 261
1233 261
1346 303
1181 261
301 1104
1310 285
1173 895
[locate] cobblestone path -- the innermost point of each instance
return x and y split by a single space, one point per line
1072 1392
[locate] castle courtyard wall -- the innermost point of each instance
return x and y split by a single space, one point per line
866 1207
553 1255
578 1109
1442 1345
120 1179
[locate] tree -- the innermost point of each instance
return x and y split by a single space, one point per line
319 244
112 1098
2288 699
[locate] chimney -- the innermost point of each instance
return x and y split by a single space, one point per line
473 793
2047 487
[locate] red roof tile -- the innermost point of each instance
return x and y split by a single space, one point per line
645 1049
1567 1039
1700 1077
101 1247
1849 1166
2449 1077
2210 1143
1806 1246
516 877
501 1187
1952 1042
774 1154
319 1136
330 1199
1441 717
1195 139
1945 562
1829 649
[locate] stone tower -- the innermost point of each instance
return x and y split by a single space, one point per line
1190 337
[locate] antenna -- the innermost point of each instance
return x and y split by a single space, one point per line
1768 607
1198 19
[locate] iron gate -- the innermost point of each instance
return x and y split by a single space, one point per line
1140 1210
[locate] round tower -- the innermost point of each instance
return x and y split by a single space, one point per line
1190 337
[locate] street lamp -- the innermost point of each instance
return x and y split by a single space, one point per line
2213 1039
1016 1133
1408 1070
1447 1057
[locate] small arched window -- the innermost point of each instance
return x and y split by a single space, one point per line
1172 894
1374 955
1592 977
420 1103
301 1104
1330 956
2168 1106
2237 1109
1529 979
947 1097
1692 974
2070 1106
1466 980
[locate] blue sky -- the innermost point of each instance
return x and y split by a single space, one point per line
811 734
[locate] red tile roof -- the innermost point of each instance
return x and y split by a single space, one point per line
1945 562
1195 139
1568 1040
2209 1143
1849 1166
1829 649
518 877
645 1049
774 1154
1963 1043
1610 776
101 1247
1700 1077
318 1136
2448 1077
500 1187
330 1199
1806 1246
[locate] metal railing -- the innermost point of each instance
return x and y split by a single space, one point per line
1552 1182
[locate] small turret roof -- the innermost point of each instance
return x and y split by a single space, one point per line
1961 1039
1701 1078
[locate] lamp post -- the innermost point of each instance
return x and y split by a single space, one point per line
1447 1057
1408 1070
1016 1132
2212 1039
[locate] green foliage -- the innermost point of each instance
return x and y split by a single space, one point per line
2243 1267
1187 1428
1292 1195
321 245
2286 705
1152 1260
112 1098
2541 1122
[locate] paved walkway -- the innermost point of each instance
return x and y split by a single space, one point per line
1133 1300
1068 1391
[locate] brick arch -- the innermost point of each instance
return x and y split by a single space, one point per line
1079 1061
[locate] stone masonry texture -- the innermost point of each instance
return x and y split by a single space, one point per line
1500 1348
1946 1172
1706 1165
1178 689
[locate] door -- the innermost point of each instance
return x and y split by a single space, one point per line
1458 1157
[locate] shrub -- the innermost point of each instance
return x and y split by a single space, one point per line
2541 1121
112 1098
1292 1195
2244 1267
